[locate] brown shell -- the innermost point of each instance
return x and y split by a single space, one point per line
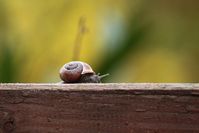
72 71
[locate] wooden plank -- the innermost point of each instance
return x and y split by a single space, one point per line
99 108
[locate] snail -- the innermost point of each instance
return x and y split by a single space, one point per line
79 72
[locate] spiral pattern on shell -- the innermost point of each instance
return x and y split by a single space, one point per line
71 72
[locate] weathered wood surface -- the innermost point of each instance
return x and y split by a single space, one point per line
99 108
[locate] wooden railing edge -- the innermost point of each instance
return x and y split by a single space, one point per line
104 108
100 86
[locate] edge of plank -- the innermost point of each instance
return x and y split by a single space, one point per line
100 86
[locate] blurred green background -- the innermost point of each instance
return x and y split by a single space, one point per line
132 40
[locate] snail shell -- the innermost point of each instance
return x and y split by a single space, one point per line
71 72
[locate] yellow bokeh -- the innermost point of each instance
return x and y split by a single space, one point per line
40 37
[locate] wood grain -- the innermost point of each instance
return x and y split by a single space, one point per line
99 108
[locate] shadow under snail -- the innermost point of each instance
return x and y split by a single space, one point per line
79 72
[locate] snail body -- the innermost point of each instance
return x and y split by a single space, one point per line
78 72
